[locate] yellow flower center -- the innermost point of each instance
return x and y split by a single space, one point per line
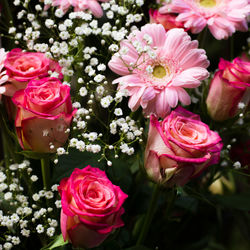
159 71
208 3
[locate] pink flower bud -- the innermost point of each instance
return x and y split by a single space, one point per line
167 20
228 88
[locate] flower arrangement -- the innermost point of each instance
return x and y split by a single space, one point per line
124 119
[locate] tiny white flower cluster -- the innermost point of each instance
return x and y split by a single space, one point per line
24 216
141 49
130 133
81 146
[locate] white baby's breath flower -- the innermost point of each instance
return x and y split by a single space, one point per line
61 151
58 204
36 197
92 136
8 196
80 145
34 178
118 112
50 231
81 124
49 23
83 91
25 232
106 101
2 177
40 228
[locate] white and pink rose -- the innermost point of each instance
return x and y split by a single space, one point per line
44 112
21 67
179 148
91 207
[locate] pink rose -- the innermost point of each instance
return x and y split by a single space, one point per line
44 112
180 147
167 20
229 86
22 67
91 207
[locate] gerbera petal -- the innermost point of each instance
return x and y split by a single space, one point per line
118 66
194 58
157 32
162 106
190 78
196 15
95 8
172 97
134 100
128 80
148 94
174 39
183 96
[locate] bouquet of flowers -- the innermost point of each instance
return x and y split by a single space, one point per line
125 124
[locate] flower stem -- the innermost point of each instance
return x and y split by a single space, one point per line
149 215
202 38
6 151
7 10
45 165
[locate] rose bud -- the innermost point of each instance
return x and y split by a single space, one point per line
222 185
229 86
167 20
91 207
179 148
22 67
44 112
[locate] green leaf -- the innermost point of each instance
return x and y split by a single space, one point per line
120 173
134 167
35 155
235 201
138 225
75 159
187 202
58 242
6 129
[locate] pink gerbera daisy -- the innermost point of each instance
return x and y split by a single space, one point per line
80 5
156 65
3 76
223 17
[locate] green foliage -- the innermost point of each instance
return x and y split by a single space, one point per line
57 243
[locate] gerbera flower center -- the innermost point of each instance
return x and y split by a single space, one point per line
208 3
159 71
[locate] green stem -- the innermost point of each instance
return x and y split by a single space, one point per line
6 151
7 10
149 215
67 79
8 138
202 38
171 198
45 165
